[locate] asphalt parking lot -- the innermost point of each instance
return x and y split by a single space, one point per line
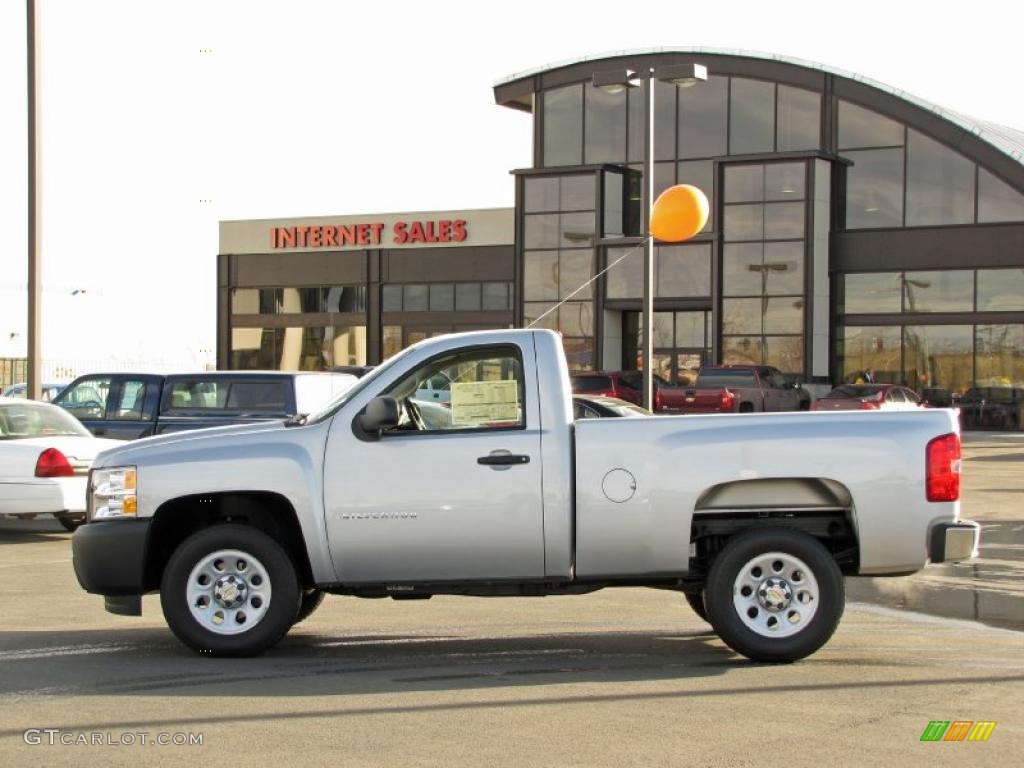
620 677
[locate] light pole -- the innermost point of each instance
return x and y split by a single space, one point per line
34 387
682 76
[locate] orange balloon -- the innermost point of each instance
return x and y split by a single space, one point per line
679 213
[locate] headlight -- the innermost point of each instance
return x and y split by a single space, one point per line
112 493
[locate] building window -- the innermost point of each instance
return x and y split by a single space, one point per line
997 200
563 126
874 188
1001 290
999 351
446 297
291 301
940 183
605 122
751 116
860 128
682 271
298 348
871 293
703 119
798 119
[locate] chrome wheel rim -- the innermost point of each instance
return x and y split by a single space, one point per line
228 592
775 594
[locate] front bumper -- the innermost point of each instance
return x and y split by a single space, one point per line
110 557
954 542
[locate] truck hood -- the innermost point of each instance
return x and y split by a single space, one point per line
138 451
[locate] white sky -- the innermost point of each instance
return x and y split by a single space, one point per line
308 108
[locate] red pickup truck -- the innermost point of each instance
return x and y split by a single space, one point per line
742 389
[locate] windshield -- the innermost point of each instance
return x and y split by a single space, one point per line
332 407
725 377
31 419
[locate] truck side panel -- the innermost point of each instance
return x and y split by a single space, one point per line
878 457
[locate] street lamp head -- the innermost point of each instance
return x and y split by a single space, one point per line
614 80
682 75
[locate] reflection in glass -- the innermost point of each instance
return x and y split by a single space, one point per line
1000 290
577 192
625 279
799 119
940 183
664 177
751 116
784 315
245 301
784 352
563 125
999 351
874 189
860 348
741 316
391 298
783 268
859 127
614 210
742 350
938 356
664 120
577 229
345 345
744 183
540 230
540 193
575 269
345 298
741 269
540 275
784 181
938 291
392 340
743 222
496 297
605 128
690 329
783 221
532 310
576 318
663 330
579 353
467 297
637 121
870 293
997 200
702 118
683 270
442 297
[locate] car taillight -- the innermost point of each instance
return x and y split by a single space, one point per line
942 468
53 463
727 400
868 405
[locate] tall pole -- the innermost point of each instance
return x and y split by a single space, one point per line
647 332
34 381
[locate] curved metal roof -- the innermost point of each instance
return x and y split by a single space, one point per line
1009 141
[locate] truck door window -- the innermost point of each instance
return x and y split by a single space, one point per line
130 400
483 389
87 399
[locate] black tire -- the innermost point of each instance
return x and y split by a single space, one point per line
280 609
309 601
71 522
824 583
696 601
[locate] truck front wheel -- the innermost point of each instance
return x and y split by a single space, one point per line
229 590
774 594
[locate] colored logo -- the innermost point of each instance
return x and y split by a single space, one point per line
958 730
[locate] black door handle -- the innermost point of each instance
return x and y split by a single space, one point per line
503 459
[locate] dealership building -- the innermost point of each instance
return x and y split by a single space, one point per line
851 227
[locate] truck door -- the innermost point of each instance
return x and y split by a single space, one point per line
454 493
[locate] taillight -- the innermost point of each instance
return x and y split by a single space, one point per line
868 405
727 400
942 468
53 463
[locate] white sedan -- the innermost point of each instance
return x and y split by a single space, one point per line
45 455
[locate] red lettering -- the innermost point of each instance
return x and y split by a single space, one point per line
416 232
377 229
400 233
363 231
284 237
459 230
329 235
302 232
347 234
429 228
445 234
314 236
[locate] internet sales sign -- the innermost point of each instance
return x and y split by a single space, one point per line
369 234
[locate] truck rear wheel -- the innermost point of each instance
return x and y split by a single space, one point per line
229 590
774 594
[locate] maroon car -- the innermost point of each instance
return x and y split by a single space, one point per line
869 397
628 386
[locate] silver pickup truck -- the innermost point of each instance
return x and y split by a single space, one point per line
756 519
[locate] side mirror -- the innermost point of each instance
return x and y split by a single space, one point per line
381 413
